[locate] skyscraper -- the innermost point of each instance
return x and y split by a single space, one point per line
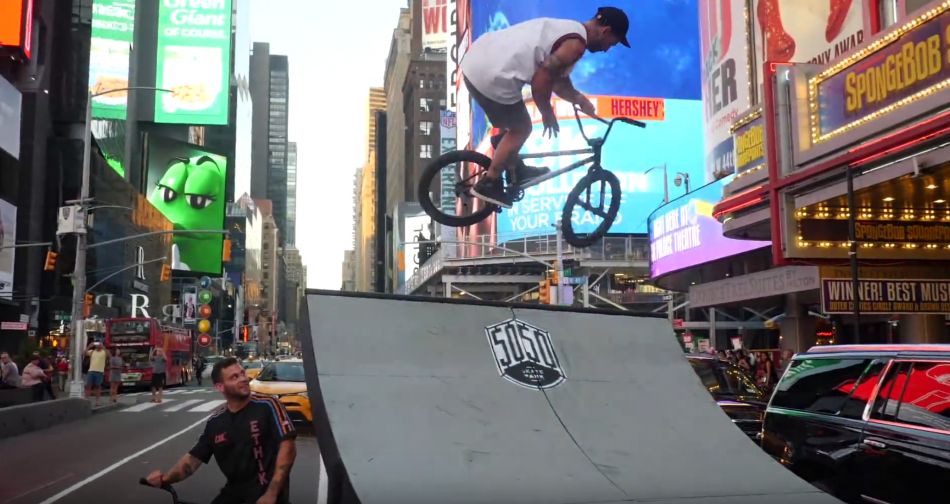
290 232
270 90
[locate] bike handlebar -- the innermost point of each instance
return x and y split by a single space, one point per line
610 123
165 486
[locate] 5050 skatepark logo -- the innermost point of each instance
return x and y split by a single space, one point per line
524 354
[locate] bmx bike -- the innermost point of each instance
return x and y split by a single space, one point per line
598 192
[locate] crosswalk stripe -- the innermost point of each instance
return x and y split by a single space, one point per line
208 406
183 404
141 407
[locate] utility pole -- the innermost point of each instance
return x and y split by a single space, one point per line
78 338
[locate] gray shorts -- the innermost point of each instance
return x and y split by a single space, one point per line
501 115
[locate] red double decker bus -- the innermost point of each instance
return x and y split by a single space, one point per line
136 337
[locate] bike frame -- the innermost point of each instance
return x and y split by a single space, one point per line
595 148
594 160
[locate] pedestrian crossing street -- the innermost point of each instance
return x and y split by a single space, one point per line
180 402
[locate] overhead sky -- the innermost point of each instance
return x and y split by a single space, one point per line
336 52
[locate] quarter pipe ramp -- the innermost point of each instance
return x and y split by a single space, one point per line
422 400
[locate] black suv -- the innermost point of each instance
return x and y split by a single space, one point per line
867 423
734 391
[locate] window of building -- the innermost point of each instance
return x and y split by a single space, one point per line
886 14
442 103
140 259
912 5
425 127
425 104
916 393
422 83
425 151
819 385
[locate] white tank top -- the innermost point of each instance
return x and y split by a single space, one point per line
500 63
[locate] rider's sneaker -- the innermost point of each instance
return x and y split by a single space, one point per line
492 191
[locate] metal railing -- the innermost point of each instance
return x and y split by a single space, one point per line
611 248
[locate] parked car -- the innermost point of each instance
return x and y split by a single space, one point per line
285 380
867 423
734 391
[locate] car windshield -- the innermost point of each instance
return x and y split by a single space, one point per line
283 371
253 365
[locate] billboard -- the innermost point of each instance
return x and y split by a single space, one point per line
194 62
807 31
684 233
10 109
16 25
725 76
7 239
435 24
661 68
187 186
113 22
883 79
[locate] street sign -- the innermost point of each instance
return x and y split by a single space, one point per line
204 340
13 326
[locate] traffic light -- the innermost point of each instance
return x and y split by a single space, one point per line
166 272
226 251
205 297
50 261
544 292
87 305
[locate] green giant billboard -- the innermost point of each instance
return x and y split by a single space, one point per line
193 61
112 24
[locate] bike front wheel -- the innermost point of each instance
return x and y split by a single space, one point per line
597 195
454 205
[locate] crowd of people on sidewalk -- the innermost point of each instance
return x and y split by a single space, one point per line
39 374
762 366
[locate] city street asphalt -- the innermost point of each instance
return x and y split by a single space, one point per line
101 458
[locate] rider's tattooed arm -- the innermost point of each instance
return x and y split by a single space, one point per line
185 467
553 69
285 461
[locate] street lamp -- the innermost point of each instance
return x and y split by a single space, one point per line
666 183
682 178
79 272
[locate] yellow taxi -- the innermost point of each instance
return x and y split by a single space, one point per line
252 368
285 380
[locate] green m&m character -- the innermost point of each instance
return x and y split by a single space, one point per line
191 195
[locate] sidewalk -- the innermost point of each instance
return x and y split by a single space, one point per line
28 417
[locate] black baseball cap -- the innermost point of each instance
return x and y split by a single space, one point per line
617 20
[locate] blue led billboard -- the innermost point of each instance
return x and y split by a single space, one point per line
663 63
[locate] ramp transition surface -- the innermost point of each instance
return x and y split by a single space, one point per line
410 407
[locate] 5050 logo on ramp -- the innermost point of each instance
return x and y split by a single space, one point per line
524 354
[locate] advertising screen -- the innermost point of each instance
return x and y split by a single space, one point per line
194 61
684 233
11 102
187 185
7 252
435 24
807 31
113 22
725 75
16 25
661 68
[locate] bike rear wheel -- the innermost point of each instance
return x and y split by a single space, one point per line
461 169
597 193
